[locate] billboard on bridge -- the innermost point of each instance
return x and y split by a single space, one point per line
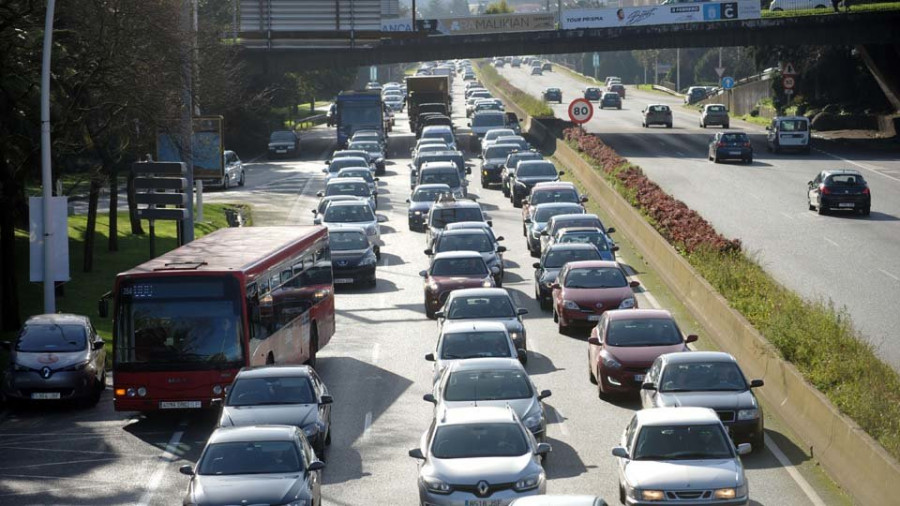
495 23
692 12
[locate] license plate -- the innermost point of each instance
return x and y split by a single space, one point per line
734 153
483 502
179 404
594 318
343 280
281 151
45 395
638 377
846 204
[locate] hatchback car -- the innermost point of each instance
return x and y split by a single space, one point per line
535 225
449 210
493 304
486 382
472 239
451 271
707 379
536 71
843 189
561 221
611 100
56 357
333 166
281 395
353 257
547 67
266 464
492 160
592 93
661 446
283 143
234 170
714 114
624 344
552 261
375 150
351 214
465 340
479 456
350 186
362 173
585 290
552 94
656 114
420 202
617 88
586 235
730 146
443 172
493 134
546 193
528 174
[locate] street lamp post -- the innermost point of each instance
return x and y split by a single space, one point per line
46 169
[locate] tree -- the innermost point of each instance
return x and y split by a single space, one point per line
499 7
460 8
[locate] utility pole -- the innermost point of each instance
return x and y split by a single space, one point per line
187 114
46 169
678 69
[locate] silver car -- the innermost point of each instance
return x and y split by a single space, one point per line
351 186
682 455
486 304
714 114
350 213
492 382
472 239
334 166
56 357
480 456
465 340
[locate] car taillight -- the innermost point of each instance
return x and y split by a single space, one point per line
865 190
720 145
747 144
824 189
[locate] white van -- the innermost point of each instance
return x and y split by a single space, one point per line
788 133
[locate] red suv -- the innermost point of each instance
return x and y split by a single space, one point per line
452 270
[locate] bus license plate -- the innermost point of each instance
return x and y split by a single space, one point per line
45 395
179 404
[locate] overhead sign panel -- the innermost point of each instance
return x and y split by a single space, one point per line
660 14
497 23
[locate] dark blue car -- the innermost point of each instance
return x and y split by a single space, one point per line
730 146
592 93
553 94
353 257
611 99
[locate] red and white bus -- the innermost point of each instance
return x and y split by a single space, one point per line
187 321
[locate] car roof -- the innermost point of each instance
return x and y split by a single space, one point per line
779 118
832 172
467 225
344 180
350 157
503 145
57 319
457 254
253 433
488 364
436 128
457 203
349 203
547 205
638 314
694 357
453 327
573 230
433 186
543 161
571 216
489 113
438 165
479 414
560 500
593 263
278 371
479 292
553 185
571 246
464 231
676 416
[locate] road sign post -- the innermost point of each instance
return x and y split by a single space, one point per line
163 184
581 111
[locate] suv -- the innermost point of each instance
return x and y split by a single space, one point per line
554 94
484 121
657 114
714 114
449 210
443 173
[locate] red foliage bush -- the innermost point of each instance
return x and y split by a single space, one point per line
679 224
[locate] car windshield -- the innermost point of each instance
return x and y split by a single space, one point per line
610 96
479 242
431 147
282 137
341 240
447 177
702 376
735 138
552 90
596 277
793 125
455 158
488 120
447 137
368 147
595 238
271 391
47 338
557 257
476 440
459 345
659 108
360 173
544 169
496 385
350 161
250 457
490 306
587 221
544 214
366 136
441 217
643 332
428 194
349 214
515 159
470 266
682 442
355 189
548 196
499 151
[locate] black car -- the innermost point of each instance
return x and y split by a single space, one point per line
553 94
730 146
420 203
592 93
528 174
508 171
283 143
552 261
611 99
353 257
707 379
492 161
839 189
263 464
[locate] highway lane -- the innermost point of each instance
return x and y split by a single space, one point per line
849 259
375 369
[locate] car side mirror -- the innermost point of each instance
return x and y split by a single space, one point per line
561 173
314 211
757 383
634 284
527 221
423 273
317 221
186 469
768 128
490 223
326 399
320 194
325 170
584 198
316 465
417 454
595 341
501 249
429 252
499 239
468 170
744 449
691 338
429 357
439 314
521 311
97 345
376 179
544 394
543 449
611 230
430 398
620 452
536 265
809 183
614 248
407 201
648 386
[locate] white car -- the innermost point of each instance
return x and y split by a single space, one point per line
797 5
466 340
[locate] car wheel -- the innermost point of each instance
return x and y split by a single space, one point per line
544 303
226 182
313 348
619 107
241 180
807 150
372 283
328 436
555 316
600 393
866 211
429 313
777 148
517 203
483 183
715 158
821 210
319 448
377 252
759 442
726 126
591 376
563 330
505 191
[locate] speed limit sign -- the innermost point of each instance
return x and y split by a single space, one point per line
580 111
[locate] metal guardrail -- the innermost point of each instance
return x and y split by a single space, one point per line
310 121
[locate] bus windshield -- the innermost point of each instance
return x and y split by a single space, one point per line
179 323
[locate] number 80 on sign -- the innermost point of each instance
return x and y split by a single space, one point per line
580 111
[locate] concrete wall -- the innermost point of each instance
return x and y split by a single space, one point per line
743 98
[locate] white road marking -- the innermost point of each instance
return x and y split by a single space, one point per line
165 459
792 471
561 424
888 274
367 425
375 351
861 166
788 216
832 242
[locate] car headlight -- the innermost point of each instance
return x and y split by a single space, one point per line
299 502
369 259
435 485
609 361
528 482
431 286
371 230
748 414
513 335
417 213
627 303
533 420
487 283
77 367
519 183
652 495
311 430
568 304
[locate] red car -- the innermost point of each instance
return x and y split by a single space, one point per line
452 270
617 88
585 290
624 344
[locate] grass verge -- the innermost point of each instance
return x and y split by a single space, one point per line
534 107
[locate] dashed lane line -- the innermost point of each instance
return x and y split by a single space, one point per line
167 457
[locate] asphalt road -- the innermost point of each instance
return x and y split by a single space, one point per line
375 369
851 260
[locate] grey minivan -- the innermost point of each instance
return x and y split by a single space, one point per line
443 173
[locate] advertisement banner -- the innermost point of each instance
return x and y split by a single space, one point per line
688 12
497 23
